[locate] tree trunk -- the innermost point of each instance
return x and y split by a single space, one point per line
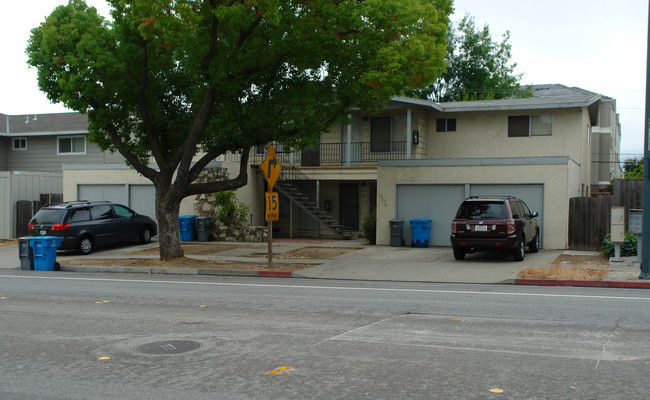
167 209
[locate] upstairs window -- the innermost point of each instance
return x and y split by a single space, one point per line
446 125
72 145
530 125
19 144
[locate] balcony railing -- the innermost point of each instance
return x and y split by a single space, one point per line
334 154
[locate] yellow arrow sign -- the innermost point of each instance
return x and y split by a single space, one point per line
271 167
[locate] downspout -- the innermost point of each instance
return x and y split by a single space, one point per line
409 134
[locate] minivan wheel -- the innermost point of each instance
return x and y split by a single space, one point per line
145 235
519 253
459 254
85 245
534 245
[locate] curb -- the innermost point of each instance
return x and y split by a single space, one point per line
179 271
605 284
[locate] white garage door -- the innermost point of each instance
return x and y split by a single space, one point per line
435 202
440 203
140 198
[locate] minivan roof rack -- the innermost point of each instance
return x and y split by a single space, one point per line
69 204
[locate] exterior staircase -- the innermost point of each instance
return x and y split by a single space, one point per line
301 190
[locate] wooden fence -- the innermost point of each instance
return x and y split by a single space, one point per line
589 218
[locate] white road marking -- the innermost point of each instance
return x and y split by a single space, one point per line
352 288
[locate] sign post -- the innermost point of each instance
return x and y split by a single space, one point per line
271 168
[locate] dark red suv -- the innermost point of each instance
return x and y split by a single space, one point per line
494 223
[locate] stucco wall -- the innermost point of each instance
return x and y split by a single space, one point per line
555 176
485 134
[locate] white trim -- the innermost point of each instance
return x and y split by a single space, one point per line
75 153
20 134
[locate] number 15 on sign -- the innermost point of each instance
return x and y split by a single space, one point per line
272 206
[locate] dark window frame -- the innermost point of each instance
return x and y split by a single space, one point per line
445 124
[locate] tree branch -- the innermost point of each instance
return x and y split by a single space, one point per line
230 184
154 141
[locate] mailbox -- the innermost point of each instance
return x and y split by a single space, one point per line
618 224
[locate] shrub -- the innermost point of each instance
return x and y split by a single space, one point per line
231 212
628 247
369 228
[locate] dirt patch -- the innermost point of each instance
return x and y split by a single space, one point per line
194 249
5 243
570 267
307 253
185 263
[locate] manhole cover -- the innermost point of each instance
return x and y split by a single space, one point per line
168 347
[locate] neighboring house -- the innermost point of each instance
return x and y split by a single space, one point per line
419 159
33 150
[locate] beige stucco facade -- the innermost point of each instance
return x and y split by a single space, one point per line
559 180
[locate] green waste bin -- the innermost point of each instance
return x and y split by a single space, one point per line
25 253
396 232
203 228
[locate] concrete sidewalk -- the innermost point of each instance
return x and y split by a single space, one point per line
380 263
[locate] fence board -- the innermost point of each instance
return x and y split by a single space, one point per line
590 218
23 215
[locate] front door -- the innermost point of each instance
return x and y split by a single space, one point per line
349 206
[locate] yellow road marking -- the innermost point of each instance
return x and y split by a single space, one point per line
281 370
104 358
496 390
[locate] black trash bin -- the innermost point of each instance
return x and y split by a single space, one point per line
203 228
396 232
25 253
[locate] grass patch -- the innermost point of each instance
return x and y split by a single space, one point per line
562 272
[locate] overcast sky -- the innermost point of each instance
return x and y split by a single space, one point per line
597 45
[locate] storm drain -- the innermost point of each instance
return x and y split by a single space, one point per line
168 347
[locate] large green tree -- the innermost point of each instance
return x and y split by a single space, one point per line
180 82
479 68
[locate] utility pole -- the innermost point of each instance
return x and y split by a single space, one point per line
645 229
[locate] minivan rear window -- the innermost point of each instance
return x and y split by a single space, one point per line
482 210
46 217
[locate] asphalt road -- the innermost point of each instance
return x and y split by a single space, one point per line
91 336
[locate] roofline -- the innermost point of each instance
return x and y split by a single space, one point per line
503 105
48 133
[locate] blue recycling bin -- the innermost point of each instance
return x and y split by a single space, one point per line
420 232
44 250
186 224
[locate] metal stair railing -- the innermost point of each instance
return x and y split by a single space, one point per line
302 190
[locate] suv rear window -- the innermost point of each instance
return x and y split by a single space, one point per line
47 216
482 210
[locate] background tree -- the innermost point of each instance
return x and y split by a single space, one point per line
633 168
478 67
178 81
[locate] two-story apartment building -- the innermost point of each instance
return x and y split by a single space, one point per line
415 159
420 159
33 150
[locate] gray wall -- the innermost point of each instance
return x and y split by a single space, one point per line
22 185
4 149
41 155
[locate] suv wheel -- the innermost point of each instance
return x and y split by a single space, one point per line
459 254
534 245
85 245
520 251
145 235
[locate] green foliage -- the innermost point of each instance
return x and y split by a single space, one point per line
633 168
478 67
181 82
231 212
369 228
628 247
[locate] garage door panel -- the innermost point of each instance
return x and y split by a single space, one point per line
532 195
114 193
142 199
440 203
435 202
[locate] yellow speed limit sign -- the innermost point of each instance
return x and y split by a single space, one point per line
272 206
